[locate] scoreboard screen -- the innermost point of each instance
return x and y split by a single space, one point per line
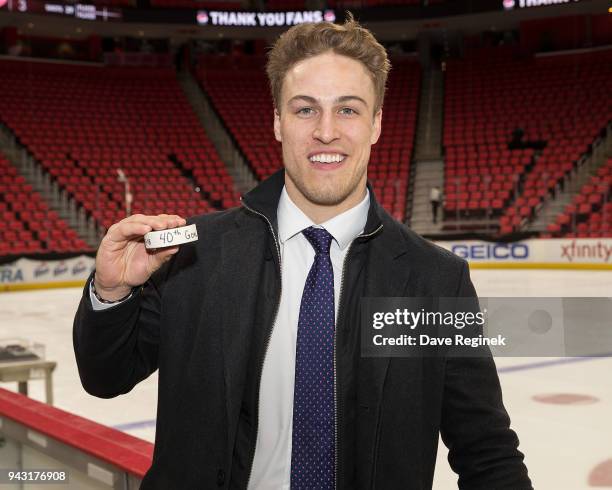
76 10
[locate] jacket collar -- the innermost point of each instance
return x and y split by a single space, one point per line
264 198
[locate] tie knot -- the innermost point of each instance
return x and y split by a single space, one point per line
319 238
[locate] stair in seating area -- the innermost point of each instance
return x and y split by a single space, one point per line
37 216
427 174
430 118
236 165
565 192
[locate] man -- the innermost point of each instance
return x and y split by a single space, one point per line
255 327
435 197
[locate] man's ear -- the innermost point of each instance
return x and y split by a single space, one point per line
277 131
377 127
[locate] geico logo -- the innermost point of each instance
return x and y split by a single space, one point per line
492 251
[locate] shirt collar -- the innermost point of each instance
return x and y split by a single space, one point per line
344 227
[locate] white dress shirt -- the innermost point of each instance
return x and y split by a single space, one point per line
435 194
272 462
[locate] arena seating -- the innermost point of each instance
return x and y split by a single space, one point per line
280 5
589 215
196 4
83 123
343 4
176 4
239 90
114 3
491 93
28 226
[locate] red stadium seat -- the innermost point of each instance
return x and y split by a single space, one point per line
109 122
491 93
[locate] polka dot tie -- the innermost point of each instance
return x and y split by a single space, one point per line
313 439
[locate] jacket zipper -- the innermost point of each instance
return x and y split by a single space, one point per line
336 401
267 342
268 336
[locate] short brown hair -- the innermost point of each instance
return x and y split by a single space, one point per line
311 39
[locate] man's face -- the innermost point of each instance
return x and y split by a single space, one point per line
326 126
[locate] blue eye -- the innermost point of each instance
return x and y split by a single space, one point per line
301 111
348 109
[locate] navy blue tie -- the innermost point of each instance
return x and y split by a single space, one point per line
313 453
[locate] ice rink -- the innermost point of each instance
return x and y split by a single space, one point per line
561 408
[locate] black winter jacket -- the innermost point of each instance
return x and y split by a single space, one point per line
204 318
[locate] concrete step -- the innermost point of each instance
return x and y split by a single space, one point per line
236 165
430 174
429 120
428 166
423 190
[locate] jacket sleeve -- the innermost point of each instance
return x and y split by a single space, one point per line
483 449
116 348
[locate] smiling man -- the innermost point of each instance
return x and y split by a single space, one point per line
255 328
327 118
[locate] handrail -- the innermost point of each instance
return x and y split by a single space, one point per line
122 451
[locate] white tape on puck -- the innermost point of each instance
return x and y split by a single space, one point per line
171 237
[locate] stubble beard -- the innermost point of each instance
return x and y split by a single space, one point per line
331 193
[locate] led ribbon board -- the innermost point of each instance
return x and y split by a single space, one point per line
522 4
77 10
262 19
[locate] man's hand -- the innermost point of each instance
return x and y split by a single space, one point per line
123 262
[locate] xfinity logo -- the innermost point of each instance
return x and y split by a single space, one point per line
499 251
597 250
511 4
